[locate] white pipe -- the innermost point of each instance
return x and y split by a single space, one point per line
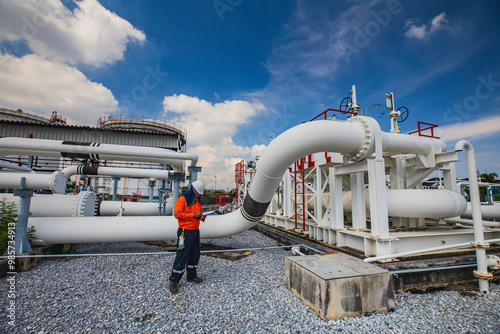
487 211
56 182
417 203
471 222
422 251
482 265
56 230
81 205
395 143
113 208
116 172
93 151
14 167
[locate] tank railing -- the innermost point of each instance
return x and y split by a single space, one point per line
25 115
138 120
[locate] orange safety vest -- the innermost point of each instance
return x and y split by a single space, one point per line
185 214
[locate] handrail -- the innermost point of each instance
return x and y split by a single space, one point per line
420 130
331 109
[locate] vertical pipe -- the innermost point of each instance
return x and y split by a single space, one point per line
193 173
21 242
30 162
94 184
175 193
482 263
115 187
152 184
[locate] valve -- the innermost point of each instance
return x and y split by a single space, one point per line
493 262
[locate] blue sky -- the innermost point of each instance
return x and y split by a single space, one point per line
235 72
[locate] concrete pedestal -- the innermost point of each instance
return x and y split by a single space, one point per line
337 285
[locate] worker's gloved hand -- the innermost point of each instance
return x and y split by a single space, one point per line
197 215
203 218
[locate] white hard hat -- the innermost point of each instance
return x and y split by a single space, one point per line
199 186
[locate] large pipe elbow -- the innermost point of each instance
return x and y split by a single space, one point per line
307 138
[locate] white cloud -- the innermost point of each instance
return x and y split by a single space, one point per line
208 123
476 129
90 35
439 22
36 84
210 128
421 32
219 160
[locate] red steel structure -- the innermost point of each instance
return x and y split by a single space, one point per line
223 199
420 130
240 169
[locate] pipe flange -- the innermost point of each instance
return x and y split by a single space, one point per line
480 244
58 182
483 275
368 144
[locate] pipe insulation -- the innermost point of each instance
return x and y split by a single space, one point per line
81 205
353 138
116 172
93 151
113 208
417 203
56 182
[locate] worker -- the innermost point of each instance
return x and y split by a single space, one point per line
188 212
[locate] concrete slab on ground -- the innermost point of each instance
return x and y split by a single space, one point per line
337 285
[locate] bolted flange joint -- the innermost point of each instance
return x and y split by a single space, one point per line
368 145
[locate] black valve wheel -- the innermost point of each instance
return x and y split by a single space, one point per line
404 114
346 104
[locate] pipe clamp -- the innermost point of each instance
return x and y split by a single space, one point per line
483 275
480 244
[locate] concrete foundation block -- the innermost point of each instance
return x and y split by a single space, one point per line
337 285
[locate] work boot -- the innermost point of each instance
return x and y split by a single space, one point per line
196 280
174 288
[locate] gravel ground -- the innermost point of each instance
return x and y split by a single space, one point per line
129 294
